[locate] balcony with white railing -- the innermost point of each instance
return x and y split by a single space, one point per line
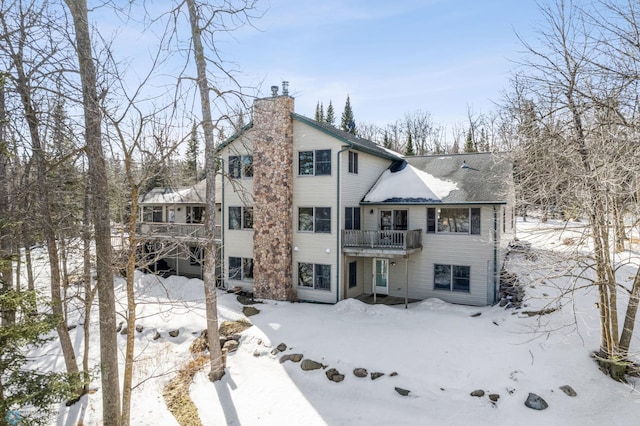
378 243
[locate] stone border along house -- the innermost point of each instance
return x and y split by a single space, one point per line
312 213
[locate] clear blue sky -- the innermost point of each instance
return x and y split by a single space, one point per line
391 57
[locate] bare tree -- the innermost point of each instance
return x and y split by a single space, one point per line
99 189
205 20
577 102
22 43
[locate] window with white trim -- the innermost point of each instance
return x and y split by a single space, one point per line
352 218
353 162
240 268
451 277
453 220
240 166
240 217
195 214
314 219
315 276
152 213
314 163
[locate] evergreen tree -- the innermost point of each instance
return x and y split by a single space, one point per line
319 112
387 141
409 148
331 116
469 146
348 123
21 386
191 160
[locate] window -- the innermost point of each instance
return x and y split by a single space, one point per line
393 220
152 214
234 166
247 165
314 276
453 220
240 268
196 255
240 166
352 218
240 217
353 162
353 274
195 214
314 219
451 277
316 162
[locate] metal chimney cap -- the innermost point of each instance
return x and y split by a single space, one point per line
274 91
285 88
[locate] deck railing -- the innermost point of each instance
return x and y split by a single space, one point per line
401 240
176 230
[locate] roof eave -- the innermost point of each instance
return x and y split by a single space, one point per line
337 135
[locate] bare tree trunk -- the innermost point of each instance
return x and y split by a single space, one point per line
99 190
209 278
89 291
23 87
6 268
131 300
28 264
630 317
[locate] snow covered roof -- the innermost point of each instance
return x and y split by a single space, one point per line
166 195
444 179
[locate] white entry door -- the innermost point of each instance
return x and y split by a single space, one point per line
381 276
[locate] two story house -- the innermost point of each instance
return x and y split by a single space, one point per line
312 213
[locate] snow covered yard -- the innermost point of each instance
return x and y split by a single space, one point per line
440 352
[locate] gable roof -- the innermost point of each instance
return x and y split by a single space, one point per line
195 194
482 178
357 143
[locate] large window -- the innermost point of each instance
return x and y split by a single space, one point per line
240 268
456 220
240 166
352 218
353 162
240 217
314 276
451 277
314 163
195 214
314 219
152 214
394 220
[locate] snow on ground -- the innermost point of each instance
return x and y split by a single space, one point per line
440 352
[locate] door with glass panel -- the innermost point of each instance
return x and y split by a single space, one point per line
381 268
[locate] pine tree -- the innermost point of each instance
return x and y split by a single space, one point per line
331 116
319 112
387 141
20 386
409 149
191 160
348 123
469 146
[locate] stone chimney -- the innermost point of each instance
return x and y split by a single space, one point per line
273 196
